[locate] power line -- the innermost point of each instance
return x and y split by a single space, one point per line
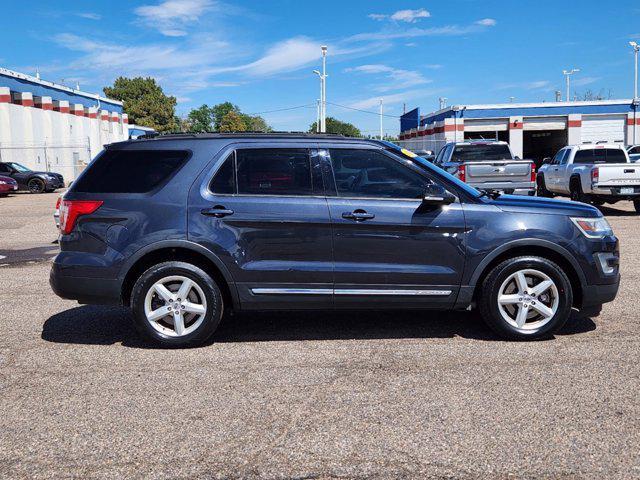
283 109
377 114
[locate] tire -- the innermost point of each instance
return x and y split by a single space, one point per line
576 193
503 317
541 188
35 185
636 204
147 298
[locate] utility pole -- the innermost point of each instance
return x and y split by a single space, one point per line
381 114
567 74
318 107
636 48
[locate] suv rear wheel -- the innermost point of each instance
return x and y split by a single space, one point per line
526 298
176 304
575 191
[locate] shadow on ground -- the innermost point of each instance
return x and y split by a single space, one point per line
95 325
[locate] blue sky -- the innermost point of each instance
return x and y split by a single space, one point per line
260 54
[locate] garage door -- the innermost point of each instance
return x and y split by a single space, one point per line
545 123
603 128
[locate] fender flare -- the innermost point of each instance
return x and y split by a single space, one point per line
188 245
527 242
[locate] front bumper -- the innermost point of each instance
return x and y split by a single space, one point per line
593 295
99 291
8 187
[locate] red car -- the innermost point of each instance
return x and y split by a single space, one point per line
7 185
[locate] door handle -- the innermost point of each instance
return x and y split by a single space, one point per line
218 211
358 215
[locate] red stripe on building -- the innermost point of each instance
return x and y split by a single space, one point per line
104 117
125 119
516 125
5 98
574 123
27 102
78 113
93 115
630 121
61 109
422 133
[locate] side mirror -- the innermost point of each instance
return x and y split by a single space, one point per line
517 158
546 160
436 194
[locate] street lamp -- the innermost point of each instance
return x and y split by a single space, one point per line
636 48
323 90
567 74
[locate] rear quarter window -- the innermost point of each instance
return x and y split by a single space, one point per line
130 171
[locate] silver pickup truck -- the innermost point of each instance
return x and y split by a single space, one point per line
600 173
488 165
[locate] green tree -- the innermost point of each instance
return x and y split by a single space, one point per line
232 122
200 119
220 111
145 102
255 123
337 127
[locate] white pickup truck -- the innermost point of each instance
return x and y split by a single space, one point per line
600 173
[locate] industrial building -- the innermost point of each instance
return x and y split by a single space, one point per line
534 130
46 126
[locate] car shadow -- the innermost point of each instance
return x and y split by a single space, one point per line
98 325
609 211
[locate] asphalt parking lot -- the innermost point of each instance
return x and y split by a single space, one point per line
371 395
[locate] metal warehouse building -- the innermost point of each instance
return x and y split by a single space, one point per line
46 126
534 130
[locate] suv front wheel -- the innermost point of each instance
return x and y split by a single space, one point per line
176 304
526 298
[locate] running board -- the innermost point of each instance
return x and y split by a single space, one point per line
348 291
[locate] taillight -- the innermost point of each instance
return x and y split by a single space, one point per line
595 175
462 172
533 172
58 203
70 210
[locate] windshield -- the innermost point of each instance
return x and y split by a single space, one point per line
422 162
479 152
20 168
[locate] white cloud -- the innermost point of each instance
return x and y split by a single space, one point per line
285 56
89 15
408 16
582 81
447 30
395 78
391 99
172 17
531 85
486 22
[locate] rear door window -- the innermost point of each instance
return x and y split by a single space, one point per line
130 171
274 171
615 155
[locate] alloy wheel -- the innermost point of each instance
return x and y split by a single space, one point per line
175 306
528 299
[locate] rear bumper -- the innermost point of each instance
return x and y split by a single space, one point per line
8 188
616 191
100 291
517 188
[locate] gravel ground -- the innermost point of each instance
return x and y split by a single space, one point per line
382 395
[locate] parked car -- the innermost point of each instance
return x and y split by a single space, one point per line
182 228
633 149
488 165
35 182
598 173
7 185
634 157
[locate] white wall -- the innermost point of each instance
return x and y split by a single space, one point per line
64 141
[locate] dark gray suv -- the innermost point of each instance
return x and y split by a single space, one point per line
183 228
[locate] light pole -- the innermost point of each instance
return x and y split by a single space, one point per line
381 115
636 48
567 74
322 124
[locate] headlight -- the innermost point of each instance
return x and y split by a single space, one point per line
593 227
2 182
